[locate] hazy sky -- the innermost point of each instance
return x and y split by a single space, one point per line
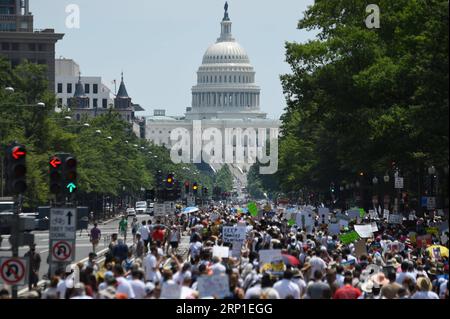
160 44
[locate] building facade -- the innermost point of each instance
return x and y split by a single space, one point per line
225 97
67 76
19 41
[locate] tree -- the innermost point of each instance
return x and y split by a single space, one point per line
224 179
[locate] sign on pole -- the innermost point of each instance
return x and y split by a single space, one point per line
62 251
431 202
13 271
169 208
63 223
399 182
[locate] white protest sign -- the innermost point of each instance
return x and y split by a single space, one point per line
385 214
213 286
395 219
305 219
220 251
431 202
234 234
334 229
364 231
323 215
374 227
170 291
268 256
373 214
236 251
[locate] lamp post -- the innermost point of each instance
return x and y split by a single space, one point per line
386 199
375 194
432 173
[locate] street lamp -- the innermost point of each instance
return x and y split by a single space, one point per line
9 89
375 180
98 132
42 104
109 138
68 118
86 125
431 170
386 178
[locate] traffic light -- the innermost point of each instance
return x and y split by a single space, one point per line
170 181
205 192
195 189
55 175
186 187
16 169
70 175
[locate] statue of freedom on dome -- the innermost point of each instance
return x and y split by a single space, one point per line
226 17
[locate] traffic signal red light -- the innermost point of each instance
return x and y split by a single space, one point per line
16 169
186 187
55 175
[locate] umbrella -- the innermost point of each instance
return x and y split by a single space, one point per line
290 260
438 250
189 210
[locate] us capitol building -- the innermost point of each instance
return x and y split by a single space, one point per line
225 96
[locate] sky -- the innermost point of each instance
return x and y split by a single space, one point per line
159 45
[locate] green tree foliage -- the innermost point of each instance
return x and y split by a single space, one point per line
110 156
359 99
224 179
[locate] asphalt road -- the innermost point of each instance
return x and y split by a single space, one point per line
83 245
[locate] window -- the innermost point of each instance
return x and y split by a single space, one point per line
60 102
95 103
60 88
32 46
87 88
69 87
41 61
105 103
95 88
15 47
42 47
5 46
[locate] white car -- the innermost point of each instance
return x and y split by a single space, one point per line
131 212
141 208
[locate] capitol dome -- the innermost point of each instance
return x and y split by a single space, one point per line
226 87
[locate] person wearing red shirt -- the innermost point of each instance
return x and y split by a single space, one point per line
158 235
347 291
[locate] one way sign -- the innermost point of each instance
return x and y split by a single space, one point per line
63 223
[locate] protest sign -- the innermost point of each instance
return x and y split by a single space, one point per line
271 260
305 219
236 251
170 291
373 214
221 251
423 241
252 209
213 286
343 223
334 229
374 227
360 248
385 214
395 219
234 234
323 215
349 237
364 231
354 213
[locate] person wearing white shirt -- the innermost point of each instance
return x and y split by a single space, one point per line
286 287
424 292
143 230
123 285
137 284
150 264
317 263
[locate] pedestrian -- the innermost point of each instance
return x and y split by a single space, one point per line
34 259
347 291
95 236
139 246
317 289
286 288
120 251
143 230
424 289
134 228
174 239
123 227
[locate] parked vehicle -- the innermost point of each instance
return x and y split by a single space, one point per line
141 208
131 212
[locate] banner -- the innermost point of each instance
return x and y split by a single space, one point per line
395 219
271 260
221 251
364 231
213 286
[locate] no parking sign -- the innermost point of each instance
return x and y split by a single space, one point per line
13 271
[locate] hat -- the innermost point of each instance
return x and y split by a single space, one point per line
380 279
296 273
108 293
367 286
109 277
392 263
424 284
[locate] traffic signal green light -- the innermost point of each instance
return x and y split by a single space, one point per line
70 174
16 169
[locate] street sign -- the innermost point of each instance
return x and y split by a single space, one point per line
169 208
63 223
159 210
13 271
62 250
399 182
